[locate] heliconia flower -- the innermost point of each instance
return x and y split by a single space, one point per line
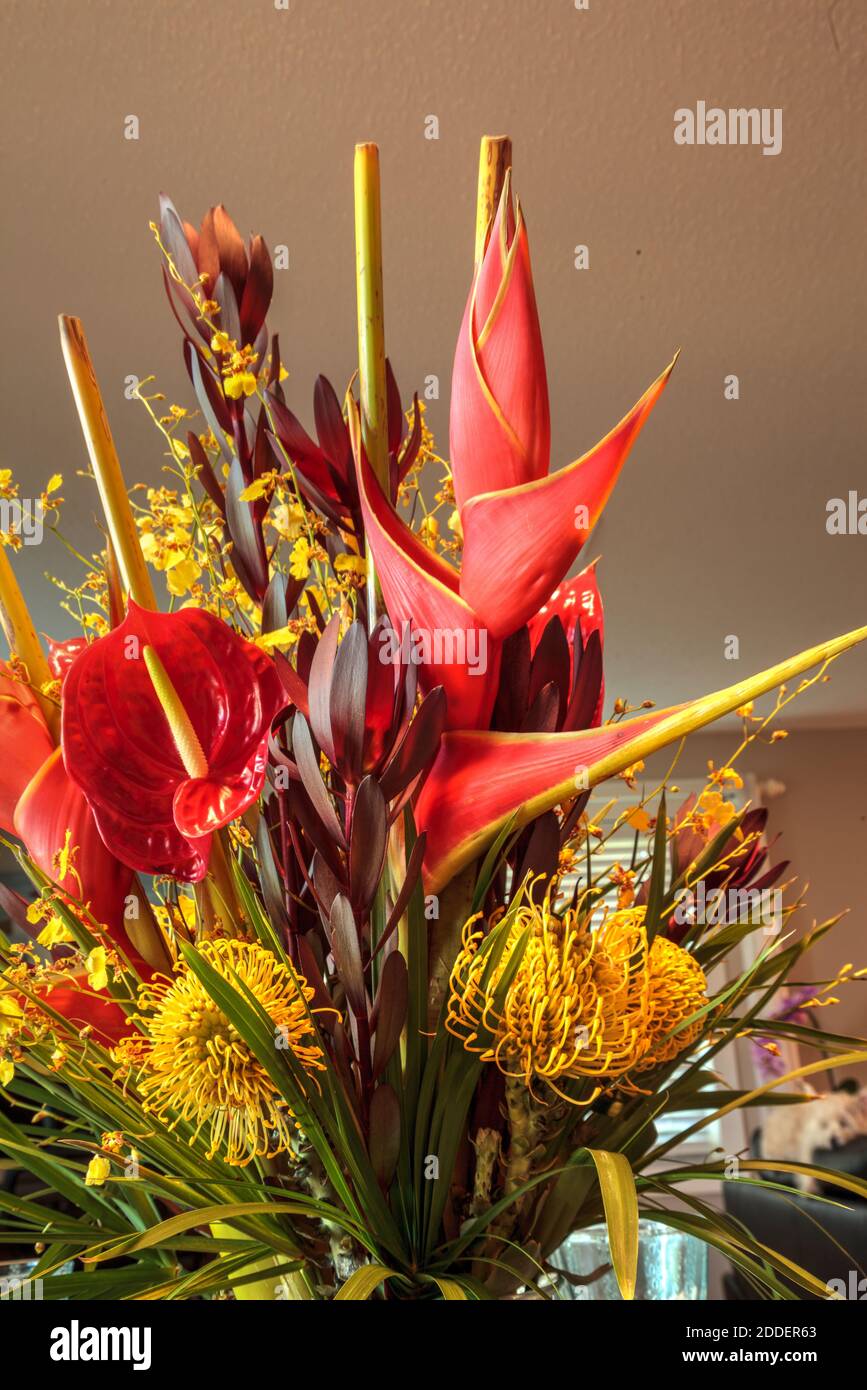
161 772
503 583
25 740
480 780
421 591
500 444
578 604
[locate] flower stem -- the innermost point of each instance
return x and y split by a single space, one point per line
371 334
106 466
23 641
495 157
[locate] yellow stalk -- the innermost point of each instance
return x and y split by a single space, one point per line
23 641
371 332
185 737
291 1287
103 456
495 158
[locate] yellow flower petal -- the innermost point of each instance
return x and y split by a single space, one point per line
98 1170
97 972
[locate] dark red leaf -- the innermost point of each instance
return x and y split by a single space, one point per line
348 700
389 1011
368 833
258 290
418 745
346 950
384 1139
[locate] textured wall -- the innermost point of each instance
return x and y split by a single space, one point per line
753 265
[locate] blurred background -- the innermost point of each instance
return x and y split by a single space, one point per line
753 265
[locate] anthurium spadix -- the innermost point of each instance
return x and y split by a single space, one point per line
480 780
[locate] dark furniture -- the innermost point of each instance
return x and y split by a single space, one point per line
808 1232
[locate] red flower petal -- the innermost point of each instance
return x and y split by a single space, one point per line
118 746
421 589
62 654
26 744
545 525
578 604
84 1007
500 426
52 805
480 779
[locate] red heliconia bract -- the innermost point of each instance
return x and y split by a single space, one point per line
119 748
522 526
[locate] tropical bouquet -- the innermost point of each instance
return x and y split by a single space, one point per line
325 987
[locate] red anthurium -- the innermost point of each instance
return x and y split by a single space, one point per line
25 740
52 815
85 1007
62 654
162 771
500 444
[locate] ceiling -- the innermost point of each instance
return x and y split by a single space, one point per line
752 265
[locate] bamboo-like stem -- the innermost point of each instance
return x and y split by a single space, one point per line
371 333
495 158
23 641
106 466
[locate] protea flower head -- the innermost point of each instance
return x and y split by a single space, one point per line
195 1066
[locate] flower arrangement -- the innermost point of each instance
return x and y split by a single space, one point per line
323 991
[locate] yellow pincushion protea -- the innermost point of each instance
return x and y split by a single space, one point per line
677 991
583 1003
195 1067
